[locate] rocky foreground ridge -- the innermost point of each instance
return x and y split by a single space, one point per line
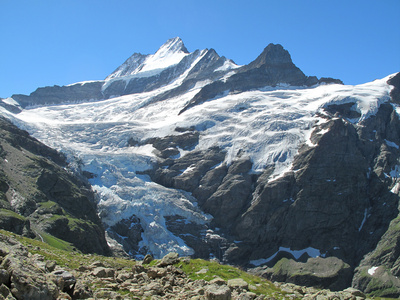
33 270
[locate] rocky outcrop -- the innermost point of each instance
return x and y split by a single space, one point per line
78 92
127 233
332 200
335 199
272 67
395 92
39 195
331 273
24 275
338 199
379 270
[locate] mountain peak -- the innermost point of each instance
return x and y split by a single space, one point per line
173 45
169 54
273 54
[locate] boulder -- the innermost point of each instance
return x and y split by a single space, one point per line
102 272
217 292
238 284
169 259
156 272
64 280
82 291
147 259
4 277
6 293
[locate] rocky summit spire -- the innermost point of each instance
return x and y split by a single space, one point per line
173 45
273 55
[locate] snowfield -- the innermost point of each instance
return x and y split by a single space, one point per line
268 125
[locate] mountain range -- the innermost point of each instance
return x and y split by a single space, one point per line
257 165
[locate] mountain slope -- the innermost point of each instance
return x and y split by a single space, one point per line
38 196
191 153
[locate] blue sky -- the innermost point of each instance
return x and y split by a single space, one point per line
58 42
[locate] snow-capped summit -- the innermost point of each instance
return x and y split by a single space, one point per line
174 45
169 54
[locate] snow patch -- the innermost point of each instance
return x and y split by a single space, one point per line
10 101
228 65
396 188
312 252
372 270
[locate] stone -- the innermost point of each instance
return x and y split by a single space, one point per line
147 259
247 296
5 292
64 296
30 285
82 291
202 271
97 263
27 280
218 281
102 272
155 272
355 292
154 288
169 259
4 277
217 292
50 265
123 276
137 269
64 280
238 283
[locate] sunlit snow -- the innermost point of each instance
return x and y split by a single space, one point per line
268 125
372 270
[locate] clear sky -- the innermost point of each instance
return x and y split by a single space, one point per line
58 42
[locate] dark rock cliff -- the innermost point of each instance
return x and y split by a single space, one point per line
38 196
340 196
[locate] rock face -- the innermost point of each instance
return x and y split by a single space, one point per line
379 270
39 196
62 94
272 67
334 177
337 198
319 272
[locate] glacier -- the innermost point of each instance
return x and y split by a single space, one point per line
268 125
